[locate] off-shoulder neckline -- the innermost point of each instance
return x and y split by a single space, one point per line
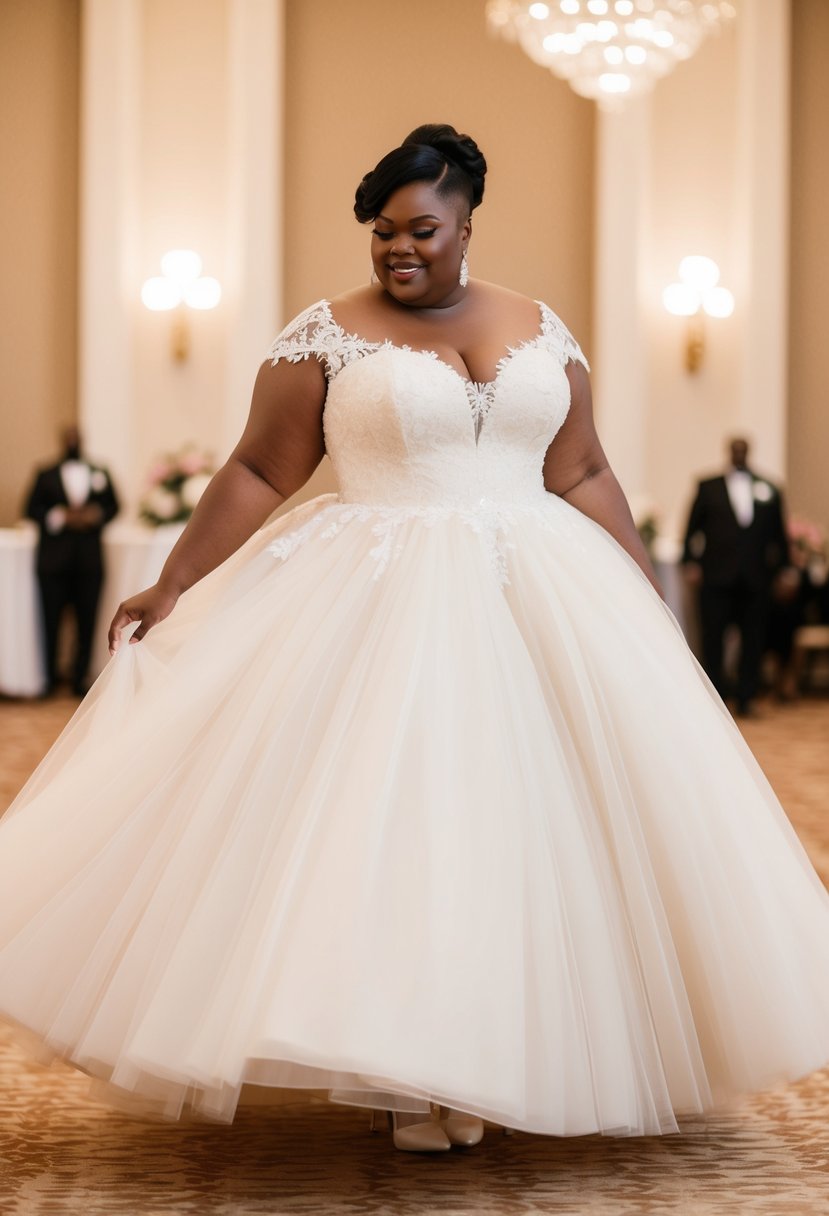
478 385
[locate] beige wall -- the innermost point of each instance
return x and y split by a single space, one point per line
39 45
808 431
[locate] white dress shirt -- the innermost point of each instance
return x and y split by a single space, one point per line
76 476
740 486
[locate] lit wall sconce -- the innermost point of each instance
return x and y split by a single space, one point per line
697 293
180 286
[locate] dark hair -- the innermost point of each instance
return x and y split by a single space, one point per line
435 153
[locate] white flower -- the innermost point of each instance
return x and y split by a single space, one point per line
763 492
818 571
162 503
98 481
193 488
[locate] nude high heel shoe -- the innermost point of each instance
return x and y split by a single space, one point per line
463 1130
425 1137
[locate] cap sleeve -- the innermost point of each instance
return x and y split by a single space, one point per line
557 338
312 334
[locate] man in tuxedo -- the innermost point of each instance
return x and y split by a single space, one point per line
71 501
735 546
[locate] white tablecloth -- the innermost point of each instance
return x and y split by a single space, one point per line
133 557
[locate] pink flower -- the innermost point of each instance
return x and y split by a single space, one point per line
160 472
807 535
191 462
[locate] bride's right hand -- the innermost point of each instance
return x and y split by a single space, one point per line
148 607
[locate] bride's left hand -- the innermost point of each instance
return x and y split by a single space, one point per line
148 608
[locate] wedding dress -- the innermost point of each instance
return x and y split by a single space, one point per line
419 796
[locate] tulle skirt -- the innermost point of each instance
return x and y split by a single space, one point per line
366 817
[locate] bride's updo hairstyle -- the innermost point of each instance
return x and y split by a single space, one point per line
433 153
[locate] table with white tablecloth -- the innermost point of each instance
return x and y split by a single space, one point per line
133 557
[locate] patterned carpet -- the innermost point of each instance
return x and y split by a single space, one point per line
61 1151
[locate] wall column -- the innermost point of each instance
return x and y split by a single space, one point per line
254 229
620 364
107 271
762 224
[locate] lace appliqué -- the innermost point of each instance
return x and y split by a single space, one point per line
315 333
492 522
481 396
556 337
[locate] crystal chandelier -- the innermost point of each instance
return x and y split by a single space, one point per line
608 49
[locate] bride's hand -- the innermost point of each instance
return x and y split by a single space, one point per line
149 607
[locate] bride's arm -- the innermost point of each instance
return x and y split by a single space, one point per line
577 469
281 446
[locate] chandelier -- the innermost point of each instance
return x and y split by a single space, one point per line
608 49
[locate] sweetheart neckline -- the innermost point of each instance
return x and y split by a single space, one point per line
480 385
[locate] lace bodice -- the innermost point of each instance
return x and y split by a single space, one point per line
403 428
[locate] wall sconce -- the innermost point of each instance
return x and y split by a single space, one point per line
697 293
180 286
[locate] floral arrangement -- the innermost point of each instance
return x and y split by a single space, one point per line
807 539
176 483
807 547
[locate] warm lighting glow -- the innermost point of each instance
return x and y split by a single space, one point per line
699 272
181 284
160 295
718 302
204 293
681 300
181 265
577 39
697 293
614 82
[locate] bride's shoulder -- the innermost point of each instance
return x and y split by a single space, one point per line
515 310
355 295
356 308
507 300
551 331
504 299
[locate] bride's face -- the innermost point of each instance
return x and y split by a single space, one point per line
416 246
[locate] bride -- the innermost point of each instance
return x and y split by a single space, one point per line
417 799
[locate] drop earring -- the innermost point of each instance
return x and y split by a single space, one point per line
373 276
463 277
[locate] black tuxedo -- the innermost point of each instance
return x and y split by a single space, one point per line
69 563
738 566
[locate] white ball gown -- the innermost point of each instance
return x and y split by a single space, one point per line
420 796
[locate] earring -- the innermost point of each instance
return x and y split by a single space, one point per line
373 278
463 277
